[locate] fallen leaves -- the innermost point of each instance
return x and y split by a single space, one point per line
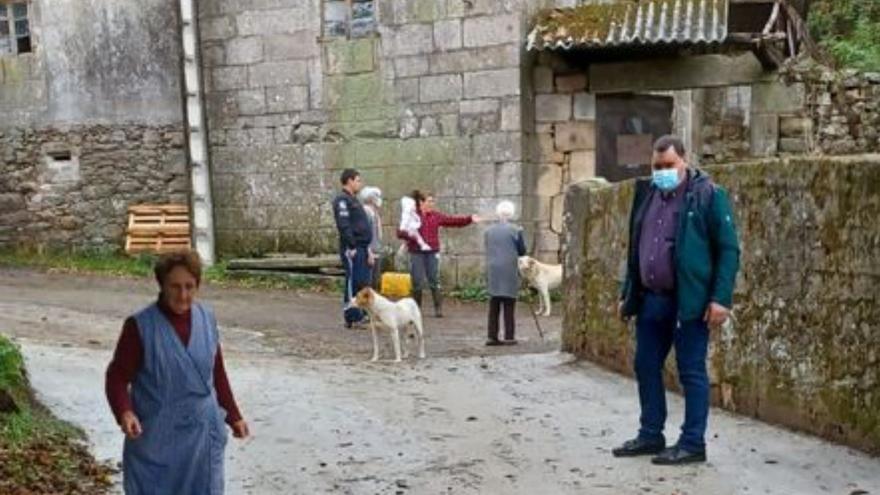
56 464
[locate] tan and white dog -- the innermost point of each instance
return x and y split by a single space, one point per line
541 276
394 315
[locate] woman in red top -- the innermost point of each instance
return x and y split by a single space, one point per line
168 389
424 263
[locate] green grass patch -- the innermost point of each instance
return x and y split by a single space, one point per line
12 379
38 452
115 264
470 293
97 261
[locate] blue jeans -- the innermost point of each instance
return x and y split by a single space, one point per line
424 268
357 276
657 330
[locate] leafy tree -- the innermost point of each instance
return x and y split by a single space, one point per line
849 30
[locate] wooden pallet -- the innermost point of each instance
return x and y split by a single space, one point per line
158 228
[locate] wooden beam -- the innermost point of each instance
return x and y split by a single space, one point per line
700 71
748 38
770 22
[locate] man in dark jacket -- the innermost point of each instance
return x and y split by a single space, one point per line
681 267
355 235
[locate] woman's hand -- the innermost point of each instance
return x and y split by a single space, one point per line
240 429
131 425
476 219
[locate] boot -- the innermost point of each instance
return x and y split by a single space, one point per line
417 296
438 302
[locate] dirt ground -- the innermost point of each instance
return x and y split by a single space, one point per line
467 420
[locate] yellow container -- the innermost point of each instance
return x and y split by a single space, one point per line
395 284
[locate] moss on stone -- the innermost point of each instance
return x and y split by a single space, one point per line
585 22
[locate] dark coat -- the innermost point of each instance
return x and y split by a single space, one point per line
706 248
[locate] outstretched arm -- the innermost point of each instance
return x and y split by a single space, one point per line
455 220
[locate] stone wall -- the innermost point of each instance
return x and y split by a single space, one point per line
91 122
66 187
842 108
802 349
564 144
432 100
725 120
806 109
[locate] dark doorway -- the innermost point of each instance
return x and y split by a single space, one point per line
628 124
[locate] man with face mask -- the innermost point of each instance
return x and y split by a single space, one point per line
681 267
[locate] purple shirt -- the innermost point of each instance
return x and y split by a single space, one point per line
657 239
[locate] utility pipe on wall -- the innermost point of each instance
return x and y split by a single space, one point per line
201 204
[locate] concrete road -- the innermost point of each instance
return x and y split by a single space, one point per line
520 420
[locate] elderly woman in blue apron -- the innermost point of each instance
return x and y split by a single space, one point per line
168 389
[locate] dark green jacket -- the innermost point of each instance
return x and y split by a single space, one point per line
706 248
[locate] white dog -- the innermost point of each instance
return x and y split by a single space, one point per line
394 315
541 276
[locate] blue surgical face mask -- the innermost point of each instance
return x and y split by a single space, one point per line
665 179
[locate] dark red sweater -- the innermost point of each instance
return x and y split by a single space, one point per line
430 229
128 359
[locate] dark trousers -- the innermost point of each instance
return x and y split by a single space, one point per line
357 276
495 305
424 268
657 330
376 274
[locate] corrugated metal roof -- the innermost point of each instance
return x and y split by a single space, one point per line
629 23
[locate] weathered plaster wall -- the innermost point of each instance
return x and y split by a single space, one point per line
802 350
102 86
102 61
432 101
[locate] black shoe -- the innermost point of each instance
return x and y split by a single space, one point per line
674 456
509 342
348 325
636 447
493 342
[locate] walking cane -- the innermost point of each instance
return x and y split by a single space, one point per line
531 306
535 316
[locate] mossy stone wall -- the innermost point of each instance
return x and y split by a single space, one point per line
804 347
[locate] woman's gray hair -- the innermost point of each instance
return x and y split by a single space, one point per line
371 194
505 210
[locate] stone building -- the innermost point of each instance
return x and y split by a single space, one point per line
475 100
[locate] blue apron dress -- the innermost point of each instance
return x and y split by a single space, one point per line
181 449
